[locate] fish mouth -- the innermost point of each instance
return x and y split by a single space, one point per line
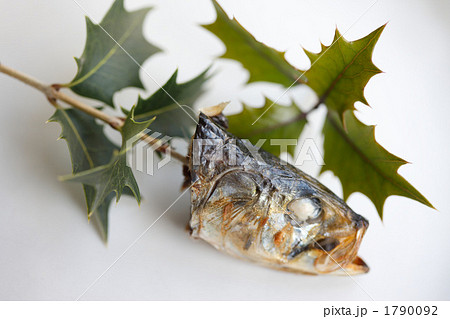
339 255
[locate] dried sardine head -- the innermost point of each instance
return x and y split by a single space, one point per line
252 205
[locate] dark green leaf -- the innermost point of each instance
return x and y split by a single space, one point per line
89 148
172 106
115 175
278 122
105 67
263 62
112 177
362 164
339 73
102 215
88 145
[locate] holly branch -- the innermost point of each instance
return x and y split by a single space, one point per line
54 94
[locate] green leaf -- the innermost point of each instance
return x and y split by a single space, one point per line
362 164
339 73
115 175
105 66
278 122
172 106
102 215
88 147
263 62
132 128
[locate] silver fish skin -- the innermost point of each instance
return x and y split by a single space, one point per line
256 207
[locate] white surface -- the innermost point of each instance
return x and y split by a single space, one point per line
48 250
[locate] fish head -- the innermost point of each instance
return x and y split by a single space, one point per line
332 231
255 206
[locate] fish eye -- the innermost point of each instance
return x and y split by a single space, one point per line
305 209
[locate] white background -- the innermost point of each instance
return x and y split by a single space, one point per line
49 251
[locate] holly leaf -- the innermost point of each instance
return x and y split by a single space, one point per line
114 176
362 164
102 215
172 106
88 147
279 122
339 73
113 52
263 62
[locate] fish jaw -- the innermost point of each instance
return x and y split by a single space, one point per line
356 267
343 258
